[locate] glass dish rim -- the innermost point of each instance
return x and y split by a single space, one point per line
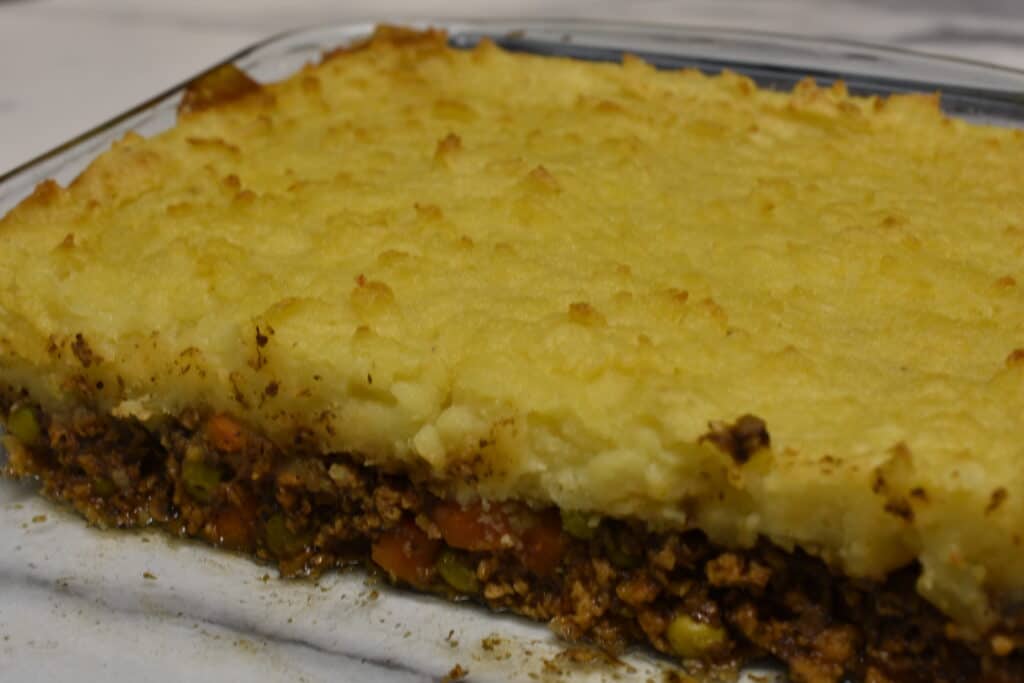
505 26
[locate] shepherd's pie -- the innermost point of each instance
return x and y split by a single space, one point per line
653 356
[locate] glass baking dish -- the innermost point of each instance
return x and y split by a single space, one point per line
77 603
972 90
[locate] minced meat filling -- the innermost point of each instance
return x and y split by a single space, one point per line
613 582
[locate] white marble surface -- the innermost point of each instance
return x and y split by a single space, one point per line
66 65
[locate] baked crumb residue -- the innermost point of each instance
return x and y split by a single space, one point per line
457 673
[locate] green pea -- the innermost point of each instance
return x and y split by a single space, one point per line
201 479
103 487
457 573
620 553
23 425
281 541
577 525
691 639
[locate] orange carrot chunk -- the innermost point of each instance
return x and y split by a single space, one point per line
233 529
406 553
225 433
472 527
543 543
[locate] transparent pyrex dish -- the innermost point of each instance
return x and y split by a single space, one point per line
80 604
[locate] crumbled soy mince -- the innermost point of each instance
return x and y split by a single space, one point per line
309 513
457 673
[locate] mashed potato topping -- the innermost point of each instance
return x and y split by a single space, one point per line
571 283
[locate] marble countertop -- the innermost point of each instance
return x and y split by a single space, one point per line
67 65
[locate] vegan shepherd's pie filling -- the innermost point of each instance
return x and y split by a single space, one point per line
652 356
611 582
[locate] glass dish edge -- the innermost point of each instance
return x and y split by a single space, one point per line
977 91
